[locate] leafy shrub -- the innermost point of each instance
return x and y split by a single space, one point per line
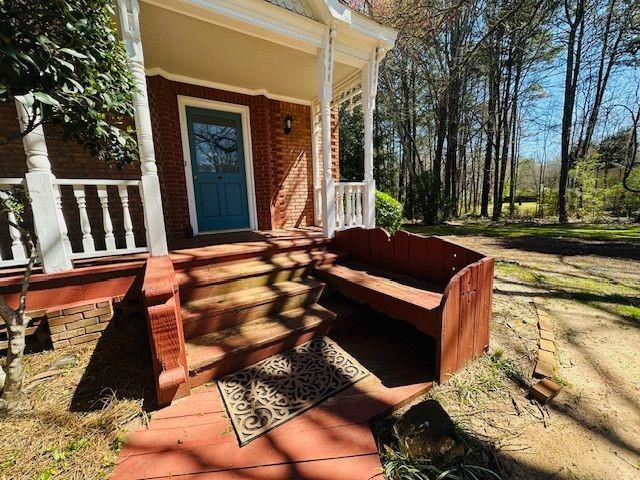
388 212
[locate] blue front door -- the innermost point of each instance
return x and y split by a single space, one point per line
217 164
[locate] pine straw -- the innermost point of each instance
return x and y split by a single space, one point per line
52 441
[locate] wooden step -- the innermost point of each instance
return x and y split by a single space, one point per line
217 354
227 252
219 279
219 312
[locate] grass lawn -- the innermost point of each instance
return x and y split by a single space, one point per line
580 231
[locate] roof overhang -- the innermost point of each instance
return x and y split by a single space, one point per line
254 46
357 34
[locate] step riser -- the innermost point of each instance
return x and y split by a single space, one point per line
186 265
194 327
234 362
189 293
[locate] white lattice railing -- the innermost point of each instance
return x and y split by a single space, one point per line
350 198
74 193
16 254
88 244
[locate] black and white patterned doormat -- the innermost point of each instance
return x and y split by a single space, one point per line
269 393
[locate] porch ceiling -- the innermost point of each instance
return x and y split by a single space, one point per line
182 46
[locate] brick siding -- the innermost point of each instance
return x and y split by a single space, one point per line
79 324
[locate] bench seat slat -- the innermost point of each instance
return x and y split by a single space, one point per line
405 301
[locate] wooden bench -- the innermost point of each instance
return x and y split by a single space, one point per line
443 289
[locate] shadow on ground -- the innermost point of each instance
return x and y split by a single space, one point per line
120 366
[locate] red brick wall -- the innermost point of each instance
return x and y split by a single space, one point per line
282 164
283 171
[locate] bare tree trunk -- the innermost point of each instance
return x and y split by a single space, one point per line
574 47
514 120
13 399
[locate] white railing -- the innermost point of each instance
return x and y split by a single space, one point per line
88 243
350 198
13 252
17 251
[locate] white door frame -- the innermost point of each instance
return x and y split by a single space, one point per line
243 110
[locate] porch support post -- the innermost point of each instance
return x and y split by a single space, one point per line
40 184
325 95
150 183
369 90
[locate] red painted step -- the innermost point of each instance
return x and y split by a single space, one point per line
219 353
217 313
217 279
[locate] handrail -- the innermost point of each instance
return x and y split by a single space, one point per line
91 181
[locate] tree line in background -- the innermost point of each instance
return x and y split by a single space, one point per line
469 84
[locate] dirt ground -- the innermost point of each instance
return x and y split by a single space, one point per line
592 429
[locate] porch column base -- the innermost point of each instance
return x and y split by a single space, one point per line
153 215
53 252
328 207
370 203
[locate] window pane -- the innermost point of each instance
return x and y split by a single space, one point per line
216 145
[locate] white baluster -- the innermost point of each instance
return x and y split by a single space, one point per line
349 217
109 239
340 220
88 245
17 247
63 224
359 197
129 238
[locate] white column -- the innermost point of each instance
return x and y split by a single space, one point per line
369 90
317 163
39 181
325 95
150 184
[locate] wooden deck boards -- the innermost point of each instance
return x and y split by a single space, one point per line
192 439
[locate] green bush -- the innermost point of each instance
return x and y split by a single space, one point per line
388 212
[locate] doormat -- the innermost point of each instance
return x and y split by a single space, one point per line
271 392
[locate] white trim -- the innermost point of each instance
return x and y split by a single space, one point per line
243 110
157 71
107 253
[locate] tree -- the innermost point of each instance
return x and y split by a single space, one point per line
64 58
63 62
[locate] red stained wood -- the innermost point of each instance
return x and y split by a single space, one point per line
164 324
192 438
381 251
400 242
458 319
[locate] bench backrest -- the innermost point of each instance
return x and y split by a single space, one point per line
432 259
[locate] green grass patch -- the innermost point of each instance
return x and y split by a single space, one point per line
521 272
495 371
630 312
582 231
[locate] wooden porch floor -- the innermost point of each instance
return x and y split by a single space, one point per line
193 439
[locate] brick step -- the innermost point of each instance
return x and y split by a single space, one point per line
219 312
217 354
220 279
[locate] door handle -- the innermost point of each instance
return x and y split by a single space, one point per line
220 178
195 177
